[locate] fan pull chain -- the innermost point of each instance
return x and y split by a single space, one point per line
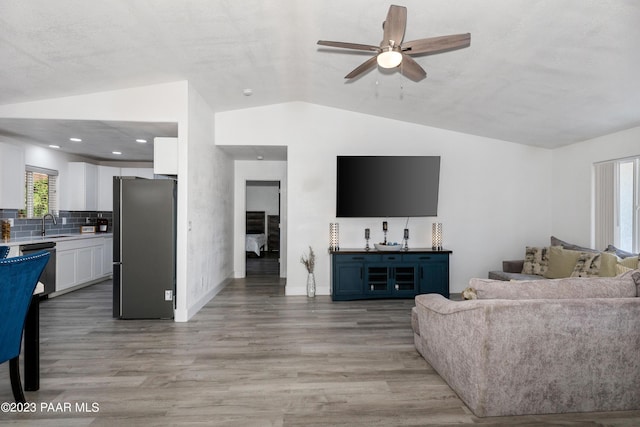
401 82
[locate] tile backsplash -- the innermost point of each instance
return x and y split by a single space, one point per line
23 227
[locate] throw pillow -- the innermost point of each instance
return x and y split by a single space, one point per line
536 260
588 265
561 262
469 293
619 252
570 246
630 262
636 278
621 269
608 263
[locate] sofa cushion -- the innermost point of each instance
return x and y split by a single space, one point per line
503 275
536 260
415 325
567 288
633 275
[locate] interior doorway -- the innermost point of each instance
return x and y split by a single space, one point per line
262 240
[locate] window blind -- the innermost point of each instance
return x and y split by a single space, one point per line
604 203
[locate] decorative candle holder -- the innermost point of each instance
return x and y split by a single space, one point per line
334 236
405 247
384 230
367 235
436 235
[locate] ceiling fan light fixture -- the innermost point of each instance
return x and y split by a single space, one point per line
389 58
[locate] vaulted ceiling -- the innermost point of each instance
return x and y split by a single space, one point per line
540 72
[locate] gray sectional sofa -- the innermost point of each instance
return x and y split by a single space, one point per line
537 346
562 259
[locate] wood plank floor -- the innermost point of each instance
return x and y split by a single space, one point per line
266 265
251 357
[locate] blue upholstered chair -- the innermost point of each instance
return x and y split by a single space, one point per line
4 251
18 279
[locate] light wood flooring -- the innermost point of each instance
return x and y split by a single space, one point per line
251 357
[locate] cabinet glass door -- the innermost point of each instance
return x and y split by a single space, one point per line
404 280
377 280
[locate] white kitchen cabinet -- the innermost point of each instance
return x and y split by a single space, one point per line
108 256
65 269
12 173
105 187
82 186
98 260
165 156
84 266
81 261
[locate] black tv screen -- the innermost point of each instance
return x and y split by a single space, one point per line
387 186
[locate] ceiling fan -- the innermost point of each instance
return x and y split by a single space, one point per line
393 53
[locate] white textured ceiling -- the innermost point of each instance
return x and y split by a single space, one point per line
540 72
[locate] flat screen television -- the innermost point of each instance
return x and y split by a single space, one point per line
387 186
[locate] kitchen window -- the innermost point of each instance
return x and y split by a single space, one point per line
41 192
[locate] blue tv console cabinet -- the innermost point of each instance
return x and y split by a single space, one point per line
360 274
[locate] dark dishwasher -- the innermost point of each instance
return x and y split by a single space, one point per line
48 276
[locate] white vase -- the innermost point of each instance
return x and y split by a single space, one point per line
311 285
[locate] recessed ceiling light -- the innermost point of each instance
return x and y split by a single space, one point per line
75 139
260 157
141 141
117 153
53 146
247 92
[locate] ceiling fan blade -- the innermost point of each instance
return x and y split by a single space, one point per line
395 25
410 68
363 68
345 45
437 44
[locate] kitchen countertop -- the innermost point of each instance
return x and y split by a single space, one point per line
54 238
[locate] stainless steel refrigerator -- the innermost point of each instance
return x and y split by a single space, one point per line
144 248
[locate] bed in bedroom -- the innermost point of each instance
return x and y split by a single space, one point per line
256 237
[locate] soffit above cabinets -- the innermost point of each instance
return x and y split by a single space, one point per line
99 138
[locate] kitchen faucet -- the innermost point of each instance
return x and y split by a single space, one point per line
43 218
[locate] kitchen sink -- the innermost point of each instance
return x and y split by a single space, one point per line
59 236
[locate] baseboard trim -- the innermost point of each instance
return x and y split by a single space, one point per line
186 315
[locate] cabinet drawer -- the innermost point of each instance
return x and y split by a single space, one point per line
392 258
425 257
339 258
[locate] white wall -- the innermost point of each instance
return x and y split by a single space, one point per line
492 192
263 198
572 182
254 170
209 211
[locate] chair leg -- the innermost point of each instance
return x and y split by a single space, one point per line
16 383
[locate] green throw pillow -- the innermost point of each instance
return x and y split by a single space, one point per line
561 262
608 262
